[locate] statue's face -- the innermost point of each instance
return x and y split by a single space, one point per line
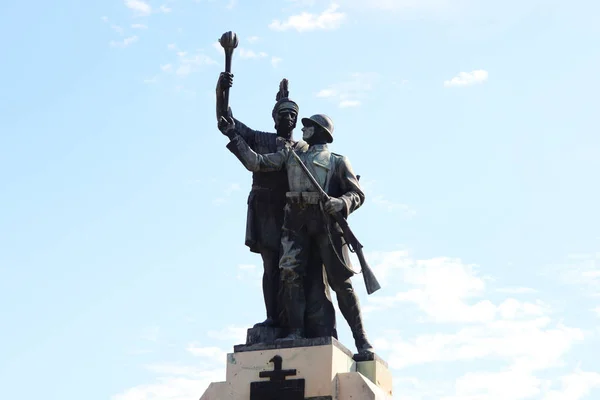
286 120
308 132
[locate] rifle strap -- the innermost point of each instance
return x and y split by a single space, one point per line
340 258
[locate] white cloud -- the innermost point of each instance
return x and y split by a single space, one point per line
139 7
172 46
351 92
165 9
166 67
227 192
513 384
575 386
231 4
139 26
175 382
328 20
104 19
125 42
117 29
582 270
249 54
210 353
236 334
275 61
389 205
516 290
326 93
349 103
467 78
253 39
444 289
189 63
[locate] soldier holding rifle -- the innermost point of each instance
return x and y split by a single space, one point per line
314 174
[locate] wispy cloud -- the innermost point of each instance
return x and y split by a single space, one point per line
517 290
467 78
390 205
328 20
227 192
175 382
275 61
125 42
232 333
165 9
151 80
349 103
351 92
252 39
139 7
249 54
139 26
117 29
188 63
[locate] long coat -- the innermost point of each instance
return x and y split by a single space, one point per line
266 200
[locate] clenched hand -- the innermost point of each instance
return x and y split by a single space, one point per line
334 205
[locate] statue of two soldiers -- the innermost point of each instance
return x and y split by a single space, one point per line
288 223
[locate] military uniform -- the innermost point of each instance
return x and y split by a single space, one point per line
306 228
265 218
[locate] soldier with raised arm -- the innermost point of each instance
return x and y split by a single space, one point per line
307 229
265 214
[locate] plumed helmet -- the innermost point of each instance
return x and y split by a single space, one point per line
283 102
323 121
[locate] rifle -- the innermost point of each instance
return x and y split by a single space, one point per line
371 283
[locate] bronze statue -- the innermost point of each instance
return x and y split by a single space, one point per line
266 203
308 228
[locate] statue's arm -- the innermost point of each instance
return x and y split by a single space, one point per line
257 162
353 196
220 99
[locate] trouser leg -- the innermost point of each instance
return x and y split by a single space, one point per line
295 250
346 297
270 284
320 313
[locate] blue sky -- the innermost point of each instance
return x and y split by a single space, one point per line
123 273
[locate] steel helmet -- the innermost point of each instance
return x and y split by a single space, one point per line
323 121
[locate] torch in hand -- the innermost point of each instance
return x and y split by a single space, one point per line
229 41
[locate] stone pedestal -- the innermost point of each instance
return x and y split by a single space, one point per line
315 369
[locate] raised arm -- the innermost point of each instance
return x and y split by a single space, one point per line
257 162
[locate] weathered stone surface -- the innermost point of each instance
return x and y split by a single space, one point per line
287 344
262 334
377 372
354 386
324 364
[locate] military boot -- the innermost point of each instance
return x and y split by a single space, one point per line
350 308
294 304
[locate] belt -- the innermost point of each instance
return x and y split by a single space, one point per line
303 197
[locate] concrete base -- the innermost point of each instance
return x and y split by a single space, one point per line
327 367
